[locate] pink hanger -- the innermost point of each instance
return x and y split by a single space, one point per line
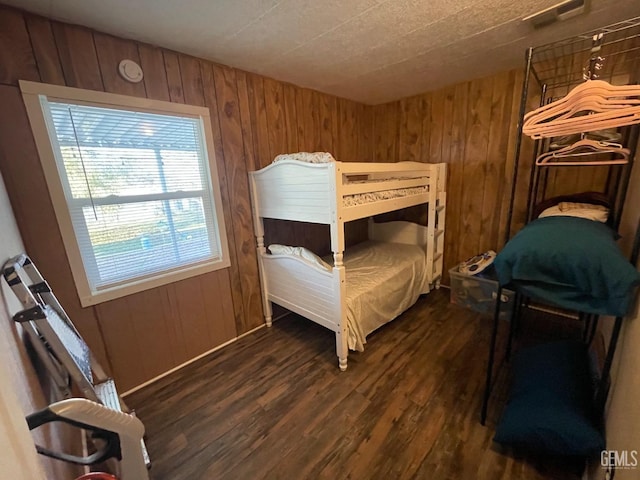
608 106
583 149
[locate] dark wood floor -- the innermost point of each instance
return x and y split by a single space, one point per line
275 406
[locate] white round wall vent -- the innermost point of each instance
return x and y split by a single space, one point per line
130 71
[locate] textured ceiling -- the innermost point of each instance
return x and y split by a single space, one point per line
371 51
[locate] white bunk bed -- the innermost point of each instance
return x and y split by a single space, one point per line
334 193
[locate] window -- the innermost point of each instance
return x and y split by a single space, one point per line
135 192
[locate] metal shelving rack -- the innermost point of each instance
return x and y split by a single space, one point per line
609 53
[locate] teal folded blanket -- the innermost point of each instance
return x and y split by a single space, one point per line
570 262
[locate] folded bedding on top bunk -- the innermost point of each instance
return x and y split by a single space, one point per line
376 196
362 198
571 262
383 280
308 157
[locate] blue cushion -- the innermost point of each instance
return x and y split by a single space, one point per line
550 407
570 262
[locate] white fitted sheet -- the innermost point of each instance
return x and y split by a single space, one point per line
383 280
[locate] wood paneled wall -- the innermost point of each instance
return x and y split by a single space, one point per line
471 127
254 118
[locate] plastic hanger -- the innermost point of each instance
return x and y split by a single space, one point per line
612 120
583 149
608 106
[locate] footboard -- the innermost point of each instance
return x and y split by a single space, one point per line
303 288
314 293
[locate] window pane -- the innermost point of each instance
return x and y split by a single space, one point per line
138 191
175 163
116 152
105 171
172 233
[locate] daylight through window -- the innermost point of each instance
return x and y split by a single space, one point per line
138 190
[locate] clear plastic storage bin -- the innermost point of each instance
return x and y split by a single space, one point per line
478 293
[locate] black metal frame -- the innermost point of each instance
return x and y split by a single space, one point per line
557 68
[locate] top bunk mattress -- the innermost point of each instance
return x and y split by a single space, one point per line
383 280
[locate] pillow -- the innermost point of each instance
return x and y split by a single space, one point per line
550 408
309 157
301 252
598 213
570 262
592 198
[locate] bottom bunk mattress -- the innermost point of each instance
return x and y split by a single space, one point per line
383 280
570 262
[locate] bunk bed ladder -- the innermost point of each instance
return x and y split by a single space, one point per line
437 211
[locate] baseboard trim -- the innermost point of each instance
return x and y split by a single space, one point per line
188 362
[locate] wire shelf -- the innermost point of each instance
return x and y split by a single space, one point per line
615 57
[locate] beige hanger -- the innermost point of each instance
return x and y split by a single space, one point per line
583 149
605 95
586 123
608 106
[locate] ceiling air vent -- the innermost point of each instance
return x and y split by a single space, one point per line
560 11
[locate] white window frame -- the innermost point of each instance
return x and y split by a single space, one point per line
33 93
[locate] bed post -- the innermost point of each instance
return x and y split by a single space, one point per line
266 304
258 229
337 247
342 348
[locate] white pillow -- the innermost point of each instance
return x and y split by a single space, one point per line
299 252
589 211
309 157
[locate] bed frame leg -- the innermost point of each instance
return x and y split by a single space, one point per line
261 250
342 350
342 363
268 313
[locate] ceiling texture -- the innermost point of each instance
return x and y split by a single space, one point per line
372 51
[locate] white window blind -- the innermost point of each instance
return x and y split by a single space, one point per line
138 190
